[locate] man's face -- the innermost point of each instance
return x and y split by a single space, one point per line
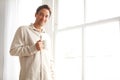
42 17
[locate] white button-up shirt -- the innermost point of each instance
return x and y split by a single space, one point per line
35 65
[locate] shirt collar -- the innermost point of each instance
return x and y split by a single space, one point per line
32 26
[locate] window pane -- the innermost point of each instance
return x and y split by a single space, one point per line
71 12
68 55
102 9
102 52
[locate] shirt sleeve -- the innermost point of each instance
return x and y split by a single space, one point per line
19 47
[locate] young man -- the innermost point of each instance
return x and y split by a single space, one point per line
32 45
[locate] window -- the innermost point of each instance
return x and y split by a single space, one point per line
71 13
68 48
101 9
68 54
87 40
102 43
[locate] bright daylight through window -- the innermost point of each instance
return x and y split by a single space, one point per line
87 40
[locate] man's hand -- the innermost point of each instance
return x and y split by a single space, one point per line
39 45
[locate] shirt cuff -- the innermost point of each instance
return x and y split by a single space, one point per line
33 50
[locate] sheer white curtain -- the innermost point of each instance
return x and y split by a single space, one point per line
8 19
11 65
2 28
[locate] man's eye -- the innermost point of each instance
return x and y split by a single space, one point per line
46 16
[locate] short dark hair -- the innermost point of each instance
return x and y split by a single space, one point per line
44 6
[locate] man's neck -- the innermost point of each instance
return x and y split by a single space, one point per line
38 27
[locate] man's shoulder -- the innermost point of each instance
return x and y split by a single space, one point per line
23 27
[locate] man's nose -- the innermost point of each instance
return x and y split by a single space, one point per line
43 17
